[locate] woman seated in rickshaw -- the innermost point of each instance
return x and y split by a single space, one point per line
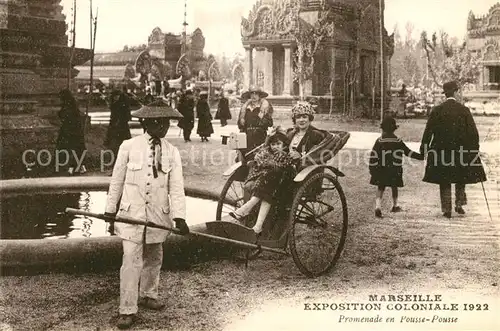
263 182
303 136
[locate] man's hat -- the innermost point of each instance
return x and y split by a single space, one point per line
254 89
389 124
156 109
450 86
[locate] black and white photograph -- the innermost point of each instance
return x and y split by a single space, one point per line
241 165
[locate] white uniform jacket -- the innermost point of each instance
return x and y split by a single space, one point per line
143 197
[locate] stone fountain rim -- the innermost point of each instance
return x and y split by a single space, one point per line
26 254
101 183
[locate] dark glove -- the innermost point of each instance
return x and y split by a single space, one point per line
111 228
180 224
423 149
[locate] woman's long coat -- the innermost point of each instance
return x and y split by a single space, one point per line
205 128
118 129
451 141
223 111
71 136
186 108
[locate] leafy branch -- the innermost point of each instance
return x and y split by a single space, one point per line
308 39
446 62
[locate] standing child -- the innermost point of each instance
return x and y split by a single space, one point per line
272 166
223 112
386 168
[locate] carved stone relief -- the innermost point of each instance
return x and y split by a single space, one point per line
156 37
197 40
494 18
491 51
479 27
269 21
260 78
129 71
238 73
182 67
143 63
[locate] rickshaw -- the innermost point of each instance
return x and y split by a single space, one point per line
310 219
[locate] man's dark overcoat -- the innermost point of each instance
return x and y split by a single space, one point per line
451 140
186 108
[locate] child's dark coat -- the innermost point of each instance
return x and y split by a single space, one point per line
386 160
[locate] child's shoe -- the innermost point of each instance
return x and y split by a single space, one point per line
257 232
378 213
238 218
396 209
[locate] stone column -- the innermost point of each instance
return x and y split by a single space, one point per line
481 79
486 78
248 79
288 74
259 69
389 73
268 70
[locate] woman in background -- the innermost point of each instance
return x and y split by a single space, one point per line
255 117
118 129
205 128
223 112
71 137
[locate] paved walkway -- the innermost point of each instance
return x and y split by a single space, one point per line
474 230
358 139
474 233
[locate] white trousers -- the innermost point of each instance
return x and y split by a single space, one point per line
141 265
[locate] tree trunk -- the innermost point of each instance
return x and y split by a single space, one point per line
302 88
352 101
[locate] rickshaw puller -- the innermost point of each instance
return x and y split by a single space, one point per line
147 178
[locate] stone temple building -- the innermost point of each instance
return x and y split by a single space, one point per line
270 45
157 62
168 47
34 67
483 37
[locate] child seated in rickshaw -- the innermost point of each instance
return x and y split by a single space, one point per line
272 166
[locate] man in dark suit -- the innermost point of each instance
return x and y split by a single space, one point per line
451 142
186 108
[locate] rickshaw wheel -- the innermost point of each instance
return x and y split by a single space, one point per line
231 197
318 219
234 192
